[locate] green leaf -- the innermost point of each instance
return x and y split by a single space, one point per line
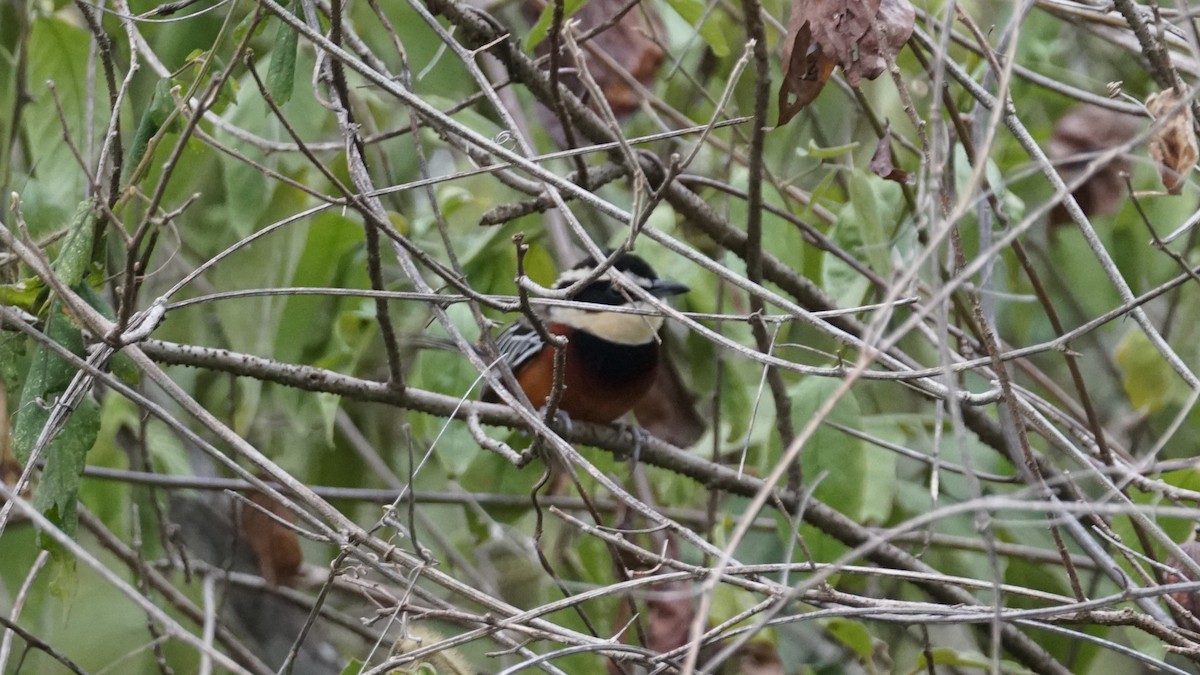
1145 376
856 479
281 76
712 32
72 261
65 454
153 118
870 197
817 152
541 29
854 635
23 294
47 378
945 656
353 667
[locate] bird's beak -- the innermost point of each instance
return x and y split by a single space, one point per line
664 288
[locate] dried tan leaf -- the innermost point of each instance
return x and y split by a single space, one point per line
839 26
805 68
1173 144
619 55
881 161
1082 134
861 36
894 24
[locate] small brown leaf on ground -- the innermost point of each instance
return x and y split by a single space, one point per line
881 162
275 546
861 36
1082 134
1173 144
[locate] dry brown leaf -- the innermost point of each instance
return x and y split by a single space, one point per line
881 161
622 52
276 547
805 68
894 24
1173 144
628 44
1078 138
861 36
839 27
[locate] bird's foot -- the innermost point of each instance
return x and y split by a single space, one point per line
640 437
561 423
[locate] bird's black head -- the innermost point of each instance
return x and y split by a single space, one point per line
604 292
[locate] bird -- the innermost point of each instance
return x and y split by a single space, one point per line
611 359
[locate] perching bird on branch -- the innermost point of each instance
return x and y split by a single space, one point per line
611 358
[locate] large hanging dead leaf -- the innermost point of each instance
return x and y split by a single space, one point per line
621 53
861 36
1078 138
1173 144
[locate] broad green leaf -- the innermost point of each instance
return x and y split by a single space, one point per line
541 29
875 202
23 294
72 261
281 76
838 279
13 365
153 118
57 46
712 32
47 378
855 479
66 456
1145 376
854 635
353 667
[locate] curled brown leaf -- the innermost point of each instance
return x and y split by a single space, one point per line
1173 144
621 54
881 161
1078 138
861 36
